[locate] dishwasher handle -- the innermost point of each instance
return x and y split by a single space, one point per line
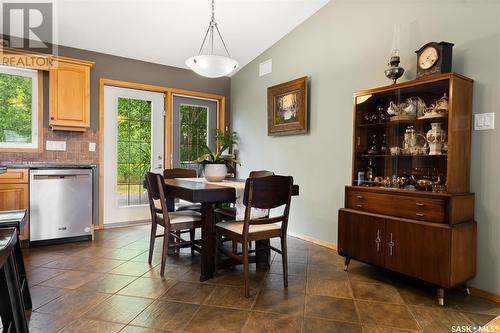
48 177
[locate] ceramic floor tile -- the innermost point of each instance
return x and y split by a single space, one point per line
108 283
44 322
215 320
165 315
316 325
280 302
262 322
71 279
73 303
41 274
230 297
99 265
438 320
132 268
41 295
331 308
332 288
392 315
83 325
293 268
375 292
147 287
118 309
189 292
275 281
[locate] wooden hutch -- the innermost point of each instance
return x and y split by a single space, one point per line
407 210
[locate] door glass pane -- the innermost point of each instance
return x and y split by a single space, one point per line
134 150
193 134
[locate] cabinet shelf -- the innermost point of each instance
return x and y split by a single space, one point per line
368 156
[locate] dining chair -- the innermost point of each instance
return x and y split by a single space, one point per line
265 193
182 173
174 223
229 213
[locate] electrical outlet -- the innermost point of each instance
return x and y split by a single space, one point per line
266 67
484 121
55 145
91 146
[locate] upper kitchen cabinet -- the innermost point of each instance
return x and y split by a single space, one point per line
69 99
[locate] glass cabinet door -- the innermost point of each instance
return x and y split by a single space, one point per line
401 138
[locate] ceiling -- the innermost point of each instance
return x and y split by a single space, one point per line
169 31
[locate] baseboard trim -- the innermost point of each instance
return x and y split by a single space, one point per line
484 294
329 245
125 224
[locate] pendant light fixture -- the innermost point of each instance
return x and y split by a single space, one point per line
211 65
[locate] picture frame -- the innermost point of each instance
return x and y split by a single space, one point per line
287 108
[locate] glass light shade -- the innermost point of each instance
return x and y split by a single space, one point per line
212 65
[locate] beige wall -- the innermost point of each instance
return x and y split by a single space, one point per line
344 48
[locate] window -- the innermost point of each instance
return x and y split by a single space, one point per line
194 124
134 150
19 114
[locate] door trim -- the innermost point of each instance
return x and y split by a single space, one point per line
169 92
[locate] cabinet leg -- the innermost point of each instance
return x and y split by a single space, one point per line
440 296
346 263
466 289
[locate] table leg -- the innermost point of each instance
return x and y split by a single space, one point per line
207 242
262 255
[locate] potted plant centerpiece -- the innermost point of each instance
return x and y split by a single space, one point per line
216 163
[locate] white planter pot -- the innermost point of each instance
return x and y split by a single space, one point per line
215 172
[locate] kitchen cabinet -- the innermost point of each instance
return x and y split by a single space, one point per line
14 194
69 95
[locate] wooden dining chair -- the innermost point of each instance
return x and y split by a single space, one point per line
174 223
182 173
264 193
229 213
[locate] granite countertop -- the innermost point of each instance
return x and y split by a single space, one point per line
43 165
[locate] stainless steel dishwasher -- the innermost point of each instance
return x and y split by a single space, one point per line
60 204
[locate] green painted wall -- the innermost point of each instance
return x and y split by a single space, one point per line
343 48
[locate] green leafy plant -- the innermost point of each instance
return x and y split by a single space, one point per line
224 141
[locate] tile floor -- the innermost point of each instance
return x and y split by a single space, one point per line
107 286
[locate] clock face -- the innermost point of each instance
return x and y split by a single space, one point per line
428 57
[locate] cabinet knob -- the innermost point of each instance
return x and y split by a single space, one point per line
51 118
420 214
419 204
359 197
359 206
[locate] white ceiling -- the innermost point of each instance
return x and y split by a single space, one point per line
169 31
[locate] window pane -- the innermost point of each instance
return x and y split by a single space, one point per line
15 109
193 132
134 150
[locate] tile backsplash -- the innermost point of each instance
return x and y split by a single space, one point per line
77 149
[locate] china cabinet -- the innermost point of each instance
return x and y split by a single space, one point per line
408 208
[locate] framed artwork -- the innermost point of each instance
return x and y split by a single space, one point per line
287 108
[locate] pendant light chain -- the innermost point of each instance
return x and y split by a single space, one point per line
210 31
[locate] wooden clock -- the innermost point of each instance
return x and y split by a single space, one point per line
434 58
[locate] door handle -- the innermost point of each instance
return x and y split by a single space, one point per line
377 240
391 245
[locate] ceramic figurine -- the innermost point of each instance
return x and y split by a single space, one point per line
436 138
393 109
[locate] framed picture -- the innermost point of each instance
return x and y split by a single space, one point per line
287 108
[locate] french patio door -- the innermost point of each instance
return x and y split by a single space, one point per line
194 121
133 145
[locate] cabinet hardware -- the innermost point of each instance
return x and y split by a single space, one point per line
419 214
377 240
420 204
391 245
359 206
359 197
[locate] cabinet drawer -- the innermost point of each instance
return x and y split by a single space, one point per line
424 209
14 176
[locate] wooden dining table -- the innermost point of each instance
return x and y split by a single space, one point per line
209 195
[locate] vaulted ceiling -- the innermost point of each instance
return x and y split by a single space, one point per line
169 31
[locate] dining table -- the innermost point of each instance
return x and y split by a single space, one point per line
209 195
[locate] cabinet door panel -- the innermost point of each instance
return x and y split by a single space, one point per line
418 250
361 237
13 197
69 95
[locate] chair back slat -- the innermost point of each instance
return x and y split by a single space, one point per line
179 173
152 186
268 192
